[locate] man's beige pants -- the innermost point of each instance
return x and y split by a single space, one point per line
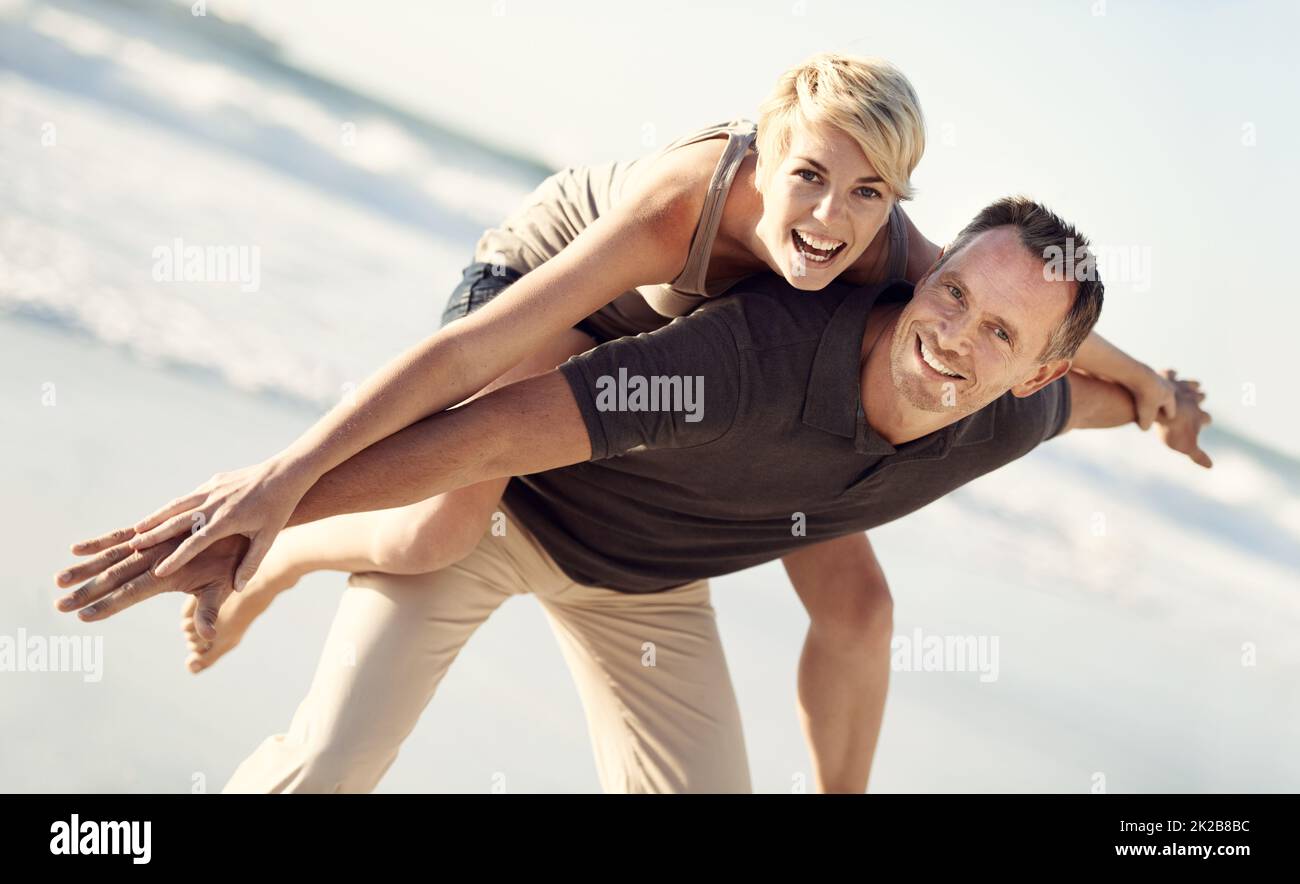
673 726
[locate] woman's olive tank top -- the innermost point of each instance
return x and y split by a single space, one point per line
564 204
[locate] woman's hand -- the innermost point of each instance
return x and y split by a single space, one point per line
256 502
1154 395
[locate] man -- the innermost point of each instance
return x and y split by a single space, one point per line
810 418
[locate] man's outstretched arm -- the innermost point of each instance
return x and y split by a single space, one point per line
526 427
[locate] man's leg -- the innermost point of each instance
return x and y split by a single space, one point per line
392 641
653 678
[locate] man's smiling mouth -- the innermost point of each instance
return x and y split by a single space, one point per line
932 361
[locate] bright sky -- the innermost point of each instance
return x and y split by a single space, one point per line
1167 132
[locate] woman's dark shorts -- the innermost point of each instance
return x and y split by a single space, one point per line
481 282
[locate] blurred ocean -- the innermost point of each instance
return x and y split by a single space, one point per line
126 130
1147 610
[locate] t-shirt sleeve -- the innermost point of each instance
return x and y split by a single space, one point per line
676 387
1024 423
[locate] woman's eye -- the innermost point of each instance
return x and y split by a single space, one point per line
812 176
869 192
1002 335
955 292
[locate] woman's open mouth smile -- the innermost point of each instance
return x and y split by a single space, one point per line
816 249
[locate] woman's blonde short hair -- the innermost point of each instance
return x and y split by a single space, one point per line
866 98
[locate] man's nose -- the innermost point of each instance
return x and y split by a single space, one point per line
952 334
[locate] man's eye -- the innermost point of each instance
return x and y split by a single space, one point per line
1002 334
955 292
809 172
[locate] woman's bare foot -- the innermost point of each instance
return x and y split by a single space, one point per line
235 616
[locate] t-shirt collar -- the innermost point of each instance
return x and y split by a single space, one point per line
833 400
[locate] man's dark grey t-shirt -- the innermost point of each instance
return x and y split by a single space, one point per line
758 449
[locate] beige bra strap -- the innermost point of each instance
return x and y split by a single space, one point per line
693 276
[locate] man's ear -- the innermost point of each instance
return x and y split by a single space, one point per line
1047 372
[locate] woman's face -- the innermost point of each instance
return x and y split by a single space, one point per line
822 207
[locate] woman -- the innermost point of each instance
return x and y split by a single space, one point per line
811 193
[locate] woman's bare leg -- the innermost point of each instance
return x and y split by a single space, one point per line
415 539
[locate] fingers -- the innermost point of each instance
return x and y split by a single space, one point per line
128 570
132 592
257 551
94 566
1200 457
1145 414
112 538
205 614
180 504
193 545
173 527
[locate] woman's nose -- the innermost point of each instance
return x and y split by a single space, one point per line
827 210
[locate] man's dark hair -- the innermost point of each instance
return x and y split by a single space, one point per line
1065 255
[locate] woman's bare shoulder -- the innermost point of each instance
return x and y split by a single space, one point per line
672 186
921 253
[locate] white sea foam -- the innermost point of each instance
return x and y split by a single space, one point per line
123 135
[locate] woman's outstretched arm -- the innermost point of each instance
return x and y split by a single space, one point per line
642 241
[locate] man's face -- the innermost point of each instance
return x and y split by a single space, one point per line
983 315
823 206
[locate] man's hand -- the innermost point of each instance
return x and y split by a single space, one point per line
1181 431
119 577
